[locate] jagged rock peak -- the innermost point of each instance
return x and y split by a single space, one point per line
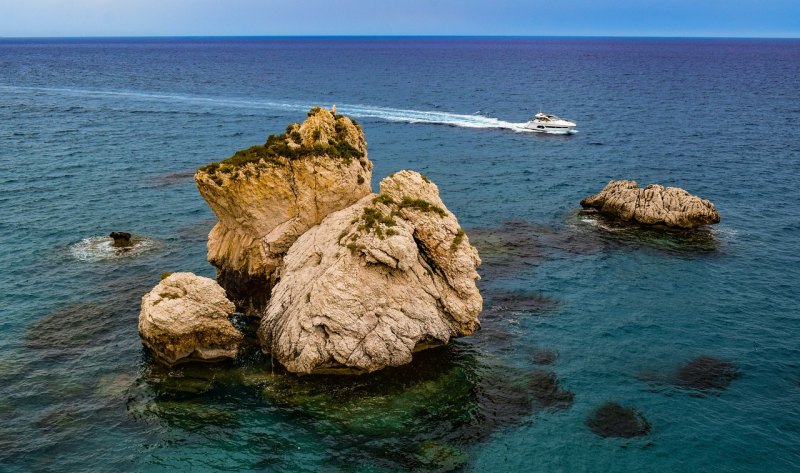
373 283
653 205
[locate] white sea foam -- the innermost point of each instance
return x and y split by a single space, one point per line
357 111
98 248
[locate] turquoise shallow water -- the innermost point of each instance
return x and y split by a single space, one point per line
104 135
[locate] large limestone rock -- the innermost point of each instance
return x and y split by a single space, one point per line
653 205
267 196
373 283
185 318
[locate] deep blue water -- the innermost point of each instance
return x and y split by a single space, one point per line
102 135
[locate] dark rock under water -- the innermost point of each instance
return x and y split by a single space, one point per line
614 420
447 398
614 233
706 373
544 356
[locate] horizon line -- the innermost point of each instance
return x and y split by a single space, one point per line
385 36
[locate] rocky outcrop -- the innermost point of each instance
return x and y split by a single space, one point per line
373 283
653 205
266 196
185 318
345 281
121 239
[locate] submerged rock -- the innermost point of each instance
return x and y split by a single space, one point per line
268 195
547 392
71 329
520 302
614 420
653 205
373 283
185 318
121 239
451 395
544 356
612 233
706 373
441 456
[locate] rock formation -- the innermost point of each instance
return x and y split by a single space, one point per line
185 318
653 205
268 195
373 283
121 239
345 281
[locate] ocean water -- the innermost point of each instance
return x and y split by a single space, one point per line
104 135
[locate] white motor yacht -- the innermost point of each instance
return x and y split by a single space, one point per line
546 123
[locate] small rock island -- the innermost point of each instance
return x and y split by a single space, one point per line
654 205
342 280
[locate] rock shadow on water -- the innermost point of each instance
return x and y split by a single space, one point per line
613 420
615 233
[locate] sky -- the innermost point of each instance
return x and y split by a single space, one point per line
737 18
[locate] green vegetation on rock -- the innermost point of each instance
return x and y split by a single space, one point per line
419 204
280 149
375 220
458 239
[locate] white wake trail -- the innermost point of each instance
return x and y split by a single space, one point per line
421 116
357 111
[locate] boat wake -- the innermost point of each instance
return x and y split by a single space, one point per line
430 117
356 111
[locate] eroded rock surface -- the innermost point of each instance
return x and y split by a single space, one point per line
374 282
266 196
653 205
185 318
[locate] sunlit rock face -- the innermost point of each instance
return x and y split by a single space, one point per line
266 196
374 283
185 318
653 205
344 281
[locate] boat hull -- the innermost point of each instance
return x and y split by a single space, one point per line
550 124
552 132
550 129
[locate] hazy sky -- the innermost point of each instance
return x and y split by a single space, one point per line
768 18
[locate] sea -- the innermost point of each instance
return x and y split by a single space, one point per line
697 333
